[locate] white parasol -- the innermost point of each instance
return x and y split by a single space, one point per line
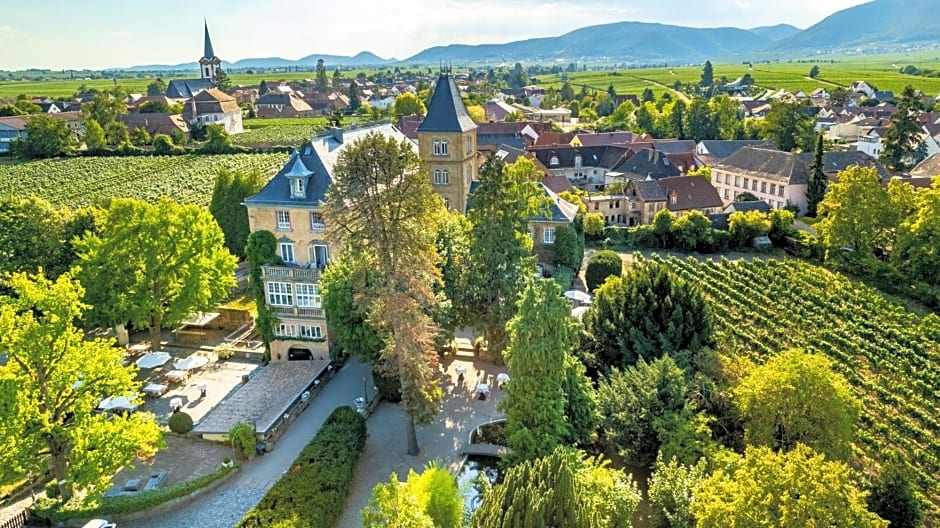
191 363
153 359
578 311
580 296
121 402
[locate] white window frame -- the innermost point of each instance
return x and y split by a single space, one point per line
548 235
308 295
317 225
441 177
286 252
299 187
280 294
286 330
283 219
311 332
553 161
440 147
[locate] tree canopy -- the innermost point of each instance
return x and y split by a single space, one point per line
154 265
903 147
789 127
409 104
46 137
228 193
427 500
818 182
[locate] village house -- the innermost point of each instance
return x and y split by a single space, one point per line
11 127
636 205
685 194
279 104
585 167
173 125
214 107
775 177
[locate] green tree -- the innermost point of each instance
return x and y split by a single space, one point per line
46 137
745 225
918 237
154 265
382 211
261 250
645 409
708 75
221 80
431 499
781 225
594 225
453 246
501 246
34 236
105 108
818 182
903 146
347 315
409 104
792 489
217 140
671 490
648 95
354 101
154 107
892 496
565 250
139 136
699 123
645 119
50 384
229 192
580 404
724 111
796 398
692 231
789 127
163 144
541 336
814 71
323 82
116 133
677 119
94 136
562 489
567 92
603 264
156 87
647 313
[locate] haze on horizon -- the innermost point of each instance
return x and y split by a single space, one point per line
99 34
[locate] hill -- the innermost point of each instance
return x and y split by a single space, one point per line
365 58
877 24
775 33
637 41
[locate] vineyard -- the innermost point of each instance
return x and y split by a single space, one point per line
281 131
890 356
76 182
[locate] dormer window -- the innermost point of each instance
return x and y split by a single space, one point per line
440 147
553 161
577 161
298 189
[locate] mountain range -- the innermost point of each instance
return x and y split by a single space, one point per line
878 24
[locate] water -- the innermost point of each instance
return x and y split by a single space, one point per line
470 479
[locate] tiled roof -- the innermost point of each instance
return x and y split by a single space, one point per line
605 138
929 167
556 184
674 146
649 190
446 112
691 192
155 123
319 156
834 162
721 149
607 157
14 122
211 101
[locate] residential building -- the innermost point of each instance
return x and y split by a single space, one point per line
277 104
712 151
543 226
775 177
636 205
214 107
169 124
585 167
11 127
685 194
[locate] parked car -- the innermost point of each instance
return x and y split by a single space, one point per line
99 523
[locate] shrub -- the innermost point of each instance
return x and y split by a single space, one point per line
564 277
181 423
242 435
313 491
565 249
602 265
593 225
387 384
225 351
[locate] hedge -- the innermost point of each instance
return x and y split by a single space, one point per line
600 266
313 491
126 504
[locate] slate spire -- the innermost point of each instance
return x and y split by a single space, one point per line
446 112
207 51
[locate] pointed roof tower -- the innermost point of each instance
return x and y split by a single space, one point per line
207 48
446 112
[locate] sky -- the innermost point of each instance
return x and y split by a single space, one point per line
97 34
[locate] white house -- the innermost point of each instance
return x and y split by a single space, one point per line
214 107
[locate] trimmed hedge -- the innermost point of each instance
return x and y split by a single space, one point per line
132 503
600 266
181 423
313 491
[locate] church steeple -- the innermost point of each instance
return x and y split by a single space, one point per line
209 64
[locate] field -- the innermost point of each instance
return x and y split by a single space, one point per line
81 181
280 131
891 357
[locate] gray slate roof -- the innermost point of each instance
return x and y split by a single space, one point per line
207 45
720 148
834 162
784 167
559 210
649 190
446 113
186 88
649 163
319 156
743 207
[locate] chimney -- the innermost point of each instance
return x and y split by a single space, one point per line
337 134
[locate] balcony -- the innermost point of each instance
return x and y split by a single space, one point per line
283 272
294 311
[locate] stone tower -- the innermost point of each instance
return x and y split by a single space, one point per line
447 144
209 64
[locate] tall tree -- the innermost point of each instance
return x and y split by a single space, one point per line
699 123
500 245
261 250
541 336
105 107
382 211
46 137
789 127
94 136
453 246
708 75
892 496
671 492
903 145
915 253
818 182
796 398
156 87
431 499
409 104
154 265
677 119
567 92
354 101
51 383
348 315
792 489
228 193
561 489
221 80
33 236
814 71
323 82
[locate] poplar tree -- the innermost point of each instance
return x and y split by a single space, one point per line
816 188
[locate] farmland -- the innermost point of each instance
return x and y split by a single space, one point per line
81 181
891 357
283 131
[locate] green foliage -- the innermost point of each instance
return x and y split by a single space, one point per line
796 398
313 491
789 127
600 266
892 496
648 313
565 249
36 235
222 80
230 190
46 418
261 250
580 404
180 423
671 490
116 134
918 237
818 182
541 336
347 316
154 265
156 87
698 121
217 141
139 136
692 231
94 136
564 276
409 104
708 75
744 226
242 436
794 489
431 499
453 247
593 225
781 225
814 71
562 489
106 107
903 147
46 137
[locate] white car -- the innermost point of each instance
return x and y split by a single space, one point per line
99 523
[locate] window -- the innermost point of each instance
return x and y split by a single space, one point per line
279 294
287 330
780 190
308 296
577 161
440 147
312 332
727 194
773 188
754 185
595 205
287 252
673 199
316 222
469 146
549 235
553 161
319 255
440 176
737 181
746 182
283 219
763 187
298 187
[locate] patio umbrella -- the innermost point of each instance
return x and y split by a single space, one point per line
580 296
121 402
578 311
190 363
153 359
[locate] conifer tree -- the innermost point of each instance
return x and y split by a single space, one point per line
816 188
903 147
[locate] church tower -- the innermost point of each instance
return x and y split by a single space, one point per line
209 64
447 144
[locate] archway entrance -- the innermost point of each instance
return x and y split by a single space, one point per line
299 354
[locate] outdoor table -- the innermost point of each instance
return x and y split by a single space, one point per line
501 378
139 348
461 370
483 390
154 390
177 376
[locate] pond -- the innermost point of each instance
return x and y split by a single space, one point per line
469 479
